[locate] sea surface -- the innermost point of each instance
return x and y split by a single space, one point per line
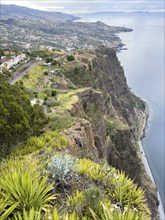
144 67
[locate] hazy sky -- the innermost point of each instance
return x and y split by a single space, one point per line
79 6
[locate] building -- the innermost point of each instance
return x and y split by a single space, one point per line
13 61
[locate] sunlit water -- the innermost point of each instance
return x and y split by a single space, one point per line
143 63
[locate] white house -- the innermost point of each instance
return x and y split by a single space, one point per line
13 61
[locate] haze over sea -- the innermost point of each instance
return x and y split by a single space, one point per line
143 63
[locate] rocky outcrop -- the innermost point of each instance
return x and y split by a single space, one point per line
109 100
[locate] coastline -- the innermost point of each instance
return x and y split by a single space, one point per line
145 161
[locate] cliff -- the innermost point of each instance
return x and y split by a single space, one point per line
94 125
115 119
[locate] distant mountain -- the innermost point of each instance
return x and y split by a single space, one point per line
19 11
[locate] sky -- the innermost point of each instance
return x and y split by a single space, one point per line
85 6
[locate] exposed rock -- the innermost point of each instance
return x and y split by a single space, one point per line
81 137
113 100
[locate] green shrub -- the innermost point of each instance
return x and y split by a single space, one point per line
53 93
54 62
70 57
92 197
61 121
75 202
110 126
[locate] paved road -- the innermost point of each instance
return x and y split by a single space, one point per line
17 75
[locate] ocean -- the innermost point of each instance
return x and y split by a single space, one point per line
143 63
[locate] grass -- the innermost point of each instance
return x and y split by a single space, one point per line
33 76
69 98
61 120
46 53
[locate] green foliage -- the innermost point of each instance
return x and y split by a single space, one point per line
128 214
18 119
61 121
54 62
110 126
92 197
121 189
49 59
93 170
62 169
53 140
76 70
42 53
5 211
76 201
70 57
53 93
28 215
19 186
6 73
125 192
35 75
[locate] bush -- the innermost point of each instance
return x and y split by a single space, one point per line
70 57
54 62
92 197
49 59
62 169
53 93
110 127
61 121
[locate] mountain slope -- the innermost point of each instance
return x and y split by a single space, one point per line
19 11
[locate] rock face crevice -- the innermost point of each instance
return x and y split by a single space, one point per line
116 118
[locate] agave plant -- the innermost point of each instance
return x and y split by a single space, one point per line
5 211
124 191
31 215
19 186
110 213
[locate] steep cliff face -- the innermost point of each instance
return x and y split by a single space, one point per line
115 119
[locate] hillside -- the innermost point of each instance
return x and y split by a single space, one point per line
86 157
39 29
19 11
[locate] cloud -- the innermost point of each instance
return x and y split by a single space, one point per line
79 6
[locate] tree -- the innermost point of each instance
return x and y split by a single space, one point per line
54 62
70 57
18 118
49 60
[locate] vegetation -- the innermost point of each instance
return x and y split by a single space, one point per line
46 176
49 140
18 119
33 76
62 169
6 73
45 53
19 187
70 57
